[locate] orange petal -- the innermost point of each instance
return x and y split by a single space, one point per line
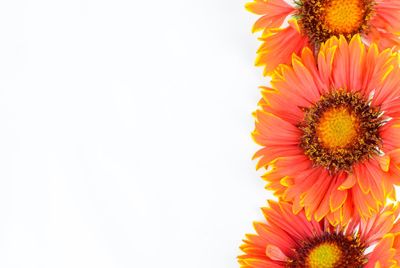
274 253
337 199
348 183
384 162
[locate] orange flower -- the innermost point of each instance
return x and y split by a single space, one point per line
289 240
317 20
330 130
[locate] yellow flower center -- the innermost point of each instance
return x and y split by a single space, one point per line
340 130
344 16
322 19
324 256
329 250
337 128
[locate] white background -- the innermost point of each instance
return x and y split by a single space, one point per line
125 133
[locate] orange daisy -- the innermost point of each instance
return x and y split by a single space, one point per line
289 240
330 130
315 21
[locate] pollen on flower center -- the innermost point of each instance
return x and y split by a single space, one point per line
322 19
329 250
337 127
344 16
340 130
325 255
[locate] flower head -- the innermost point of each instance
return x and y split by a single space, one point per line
315 21
289 240
330 130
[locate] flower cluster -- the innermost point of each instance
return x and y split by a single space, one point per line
329 129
